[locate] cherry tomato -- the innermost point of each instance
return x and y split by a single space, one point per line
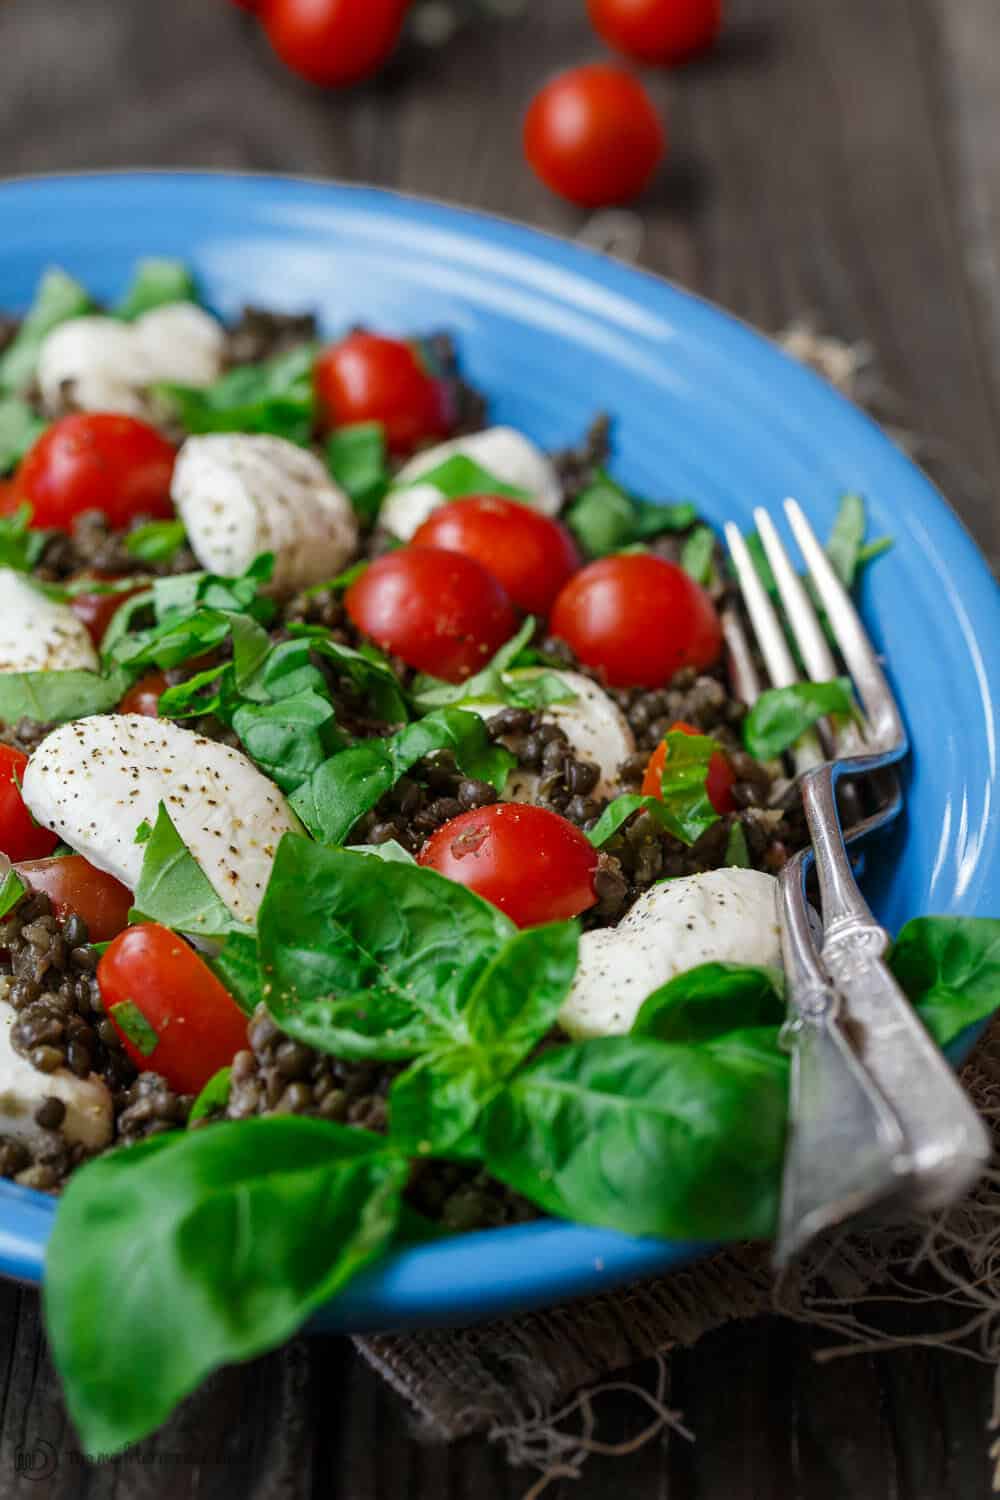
718 782
638 618
9 500
194 1025
533 864
97 461
143 697
439 611
657 31
20 835
333 42
96 610
593 136
367 378
73 884
531 555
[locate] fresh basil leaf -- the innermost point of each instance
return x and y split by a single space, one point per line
488 685
517 998
12 888
435 1105
534 688
737 854
289 739
781 716
202 1248
175 642
275 396
459 475
368 669
130 1019
653 519
366 958
950 969
238 966
618 811
357 459
57 697
214 1096
844 544
646 1137
174 890
57 299
19 429
156 542
389 850
143 833
156 283
875 548
341 581
606 518
351 782
710 1000
698 554
687 812
21 547
199 694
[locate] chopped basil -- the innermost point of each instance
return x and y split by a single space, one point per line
846 538
460 475
237 965
737 854
12 888
606 518
290 738
950 969
20 426
683 808
214 1096
781 716
390 850
698 554
130 1019
709 1001
275 396
57 697
143 833
357 459
21 547
367 668
156 542
156 283
342 581
173 888
57 299
503 681
617 812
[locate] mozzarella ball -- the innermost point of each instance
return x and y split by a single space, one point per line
505 453
38 634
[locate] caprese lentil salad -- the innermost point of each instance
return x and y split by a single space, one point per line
386 853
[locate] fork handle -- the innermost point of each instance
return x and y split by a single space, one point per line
946 1142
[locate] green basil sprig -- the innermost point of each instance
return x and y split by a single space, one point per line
357 458
781 716
275 396
606 518
156 283
57 299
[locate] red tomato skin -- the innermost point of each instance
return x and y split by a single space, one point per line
333 42
97 610
718 782
438 611
143 697
592 135
97 461
199 1025
638 618
530 554
657 31
368 378
531 863
20 835
73 884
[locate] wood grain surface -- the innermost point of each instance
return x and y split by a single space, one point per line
836 160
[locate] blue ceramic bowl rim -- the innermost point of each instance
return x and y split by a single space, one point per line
490 1272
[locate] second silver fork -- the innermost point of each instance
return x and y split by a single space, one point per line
945 1142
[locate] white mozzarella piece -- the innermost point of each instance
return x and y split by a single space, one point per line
505 453
240 495
594 725
102 364
722 916
38 634
95 780
88 1119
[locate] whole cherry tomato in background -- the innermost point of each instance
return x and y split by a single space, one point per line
718 782
96 461
97 610
333 42
531 863
368 378
439 611
593 136
637 618
143 697
73 884
530 554
657 31
20 835
189 1026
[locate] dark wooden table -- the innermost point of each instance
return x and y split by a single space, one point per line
840 160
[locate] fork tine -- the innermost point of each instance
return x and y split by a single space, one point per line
742 667
869 679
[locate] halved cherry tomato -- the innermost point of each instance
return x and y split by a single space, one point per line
20 835
9 501
439 611
97 461
96 610
531 555
367 378
657 31
333 42
73 884
638 618
593 136
188 1025
718 782
531 863
143 697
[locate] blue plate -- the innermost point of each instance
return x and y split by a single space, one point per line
705 409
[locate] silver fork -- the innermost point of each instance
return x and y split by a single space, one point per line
945 1143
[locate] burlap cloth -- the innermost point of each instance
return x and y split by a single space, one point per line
530 1382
